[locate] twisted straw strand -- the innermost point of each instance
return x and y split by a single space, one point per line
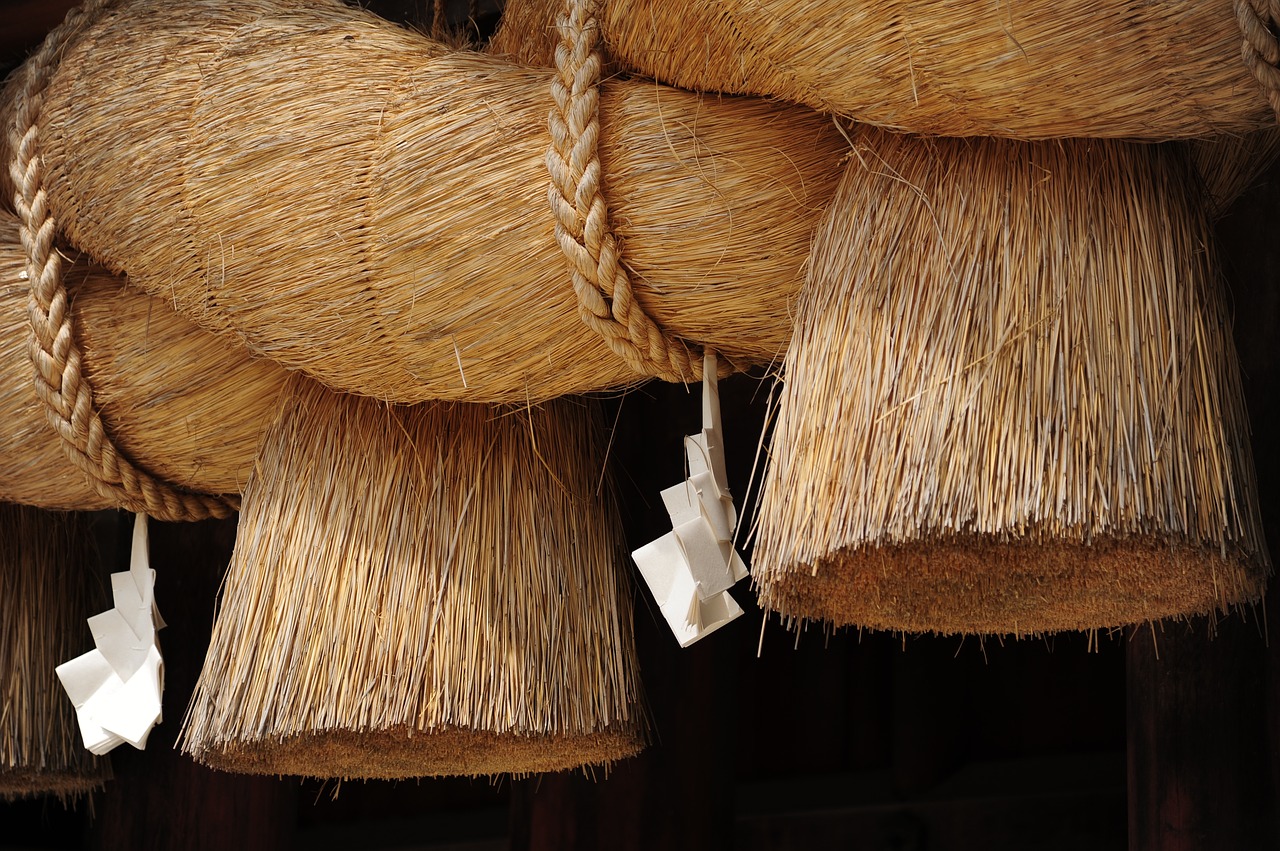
59 381
1260 51
606 301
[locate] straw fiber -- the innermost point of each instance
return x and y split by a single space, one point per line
528 34
46 591
357 202
424 590
1040 421
33 468
178 400
55 354
1023 69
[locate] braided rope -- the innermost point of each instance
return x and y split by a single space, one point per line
59 382
606 301
1259 22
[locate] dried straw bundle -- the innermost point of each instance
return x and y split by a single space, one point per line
1023 69
1040 422
178 400
422 590
46 591
265 172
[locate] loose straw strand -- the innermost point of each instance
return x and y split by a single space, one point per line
606 302
1260 50
59 382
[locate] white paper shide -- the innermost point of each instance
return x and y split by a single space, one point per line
690 569
116 687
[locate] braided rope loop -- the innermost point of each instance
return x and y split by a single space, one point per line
606 301
1259 22
60 384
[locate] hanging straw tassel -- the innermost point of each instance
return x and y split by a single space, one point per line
421 590
46 591
1012 404
181 402
362 204
1022 69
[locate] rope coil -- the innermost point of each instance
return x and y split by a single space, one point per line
1259 22
606 301
60 383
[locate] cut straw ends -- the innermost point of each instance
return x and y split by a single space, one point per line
1026 351
421 591
402 752
47 589
968 584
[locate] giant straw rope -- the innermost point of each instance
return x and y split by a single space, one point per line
59 381
1020 69
605 284
401 244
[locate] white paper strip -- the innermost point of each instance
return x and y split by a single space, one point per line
116 687
665 571
690 570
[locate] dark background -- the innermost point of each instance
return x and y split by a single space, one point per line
1166 736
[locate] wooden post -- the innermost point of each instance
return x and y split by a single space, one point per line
1199 773
1204 710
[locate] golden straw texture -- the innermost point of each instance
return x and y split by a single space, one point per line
529 32
1022 69
60 383
33 468
606 301
1012 403
189 405
47 589
357 202
1228 165
181 402
425 590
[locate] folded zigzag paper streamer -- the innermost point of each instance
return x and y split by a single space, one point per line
690 569
116 687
